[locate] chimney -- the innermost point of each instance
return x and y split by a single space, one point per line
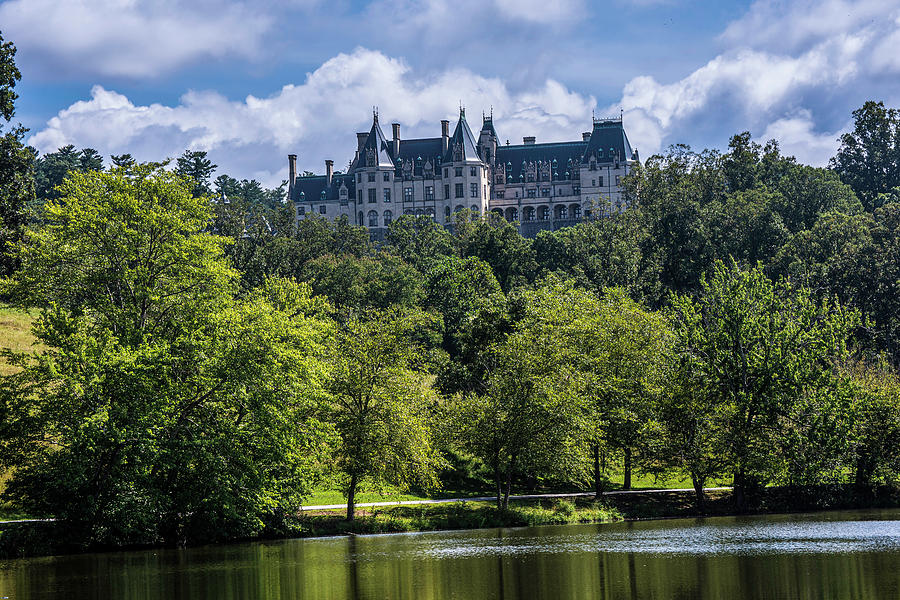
445 135
361 140
586 136
292 173
329 172
396 128
528 140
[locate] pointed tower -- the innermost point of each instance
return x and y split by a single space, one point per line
487 140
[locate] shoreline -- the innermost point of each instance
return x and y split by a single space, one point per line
41 538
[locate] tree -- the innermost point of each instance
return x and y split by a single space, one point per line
16 165
369 282
756 348
164 409
419 241
869 157
198 168
382 405
876 431
122 160
531 417
497 243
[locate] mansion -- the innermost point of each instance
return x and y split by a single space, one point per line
533 186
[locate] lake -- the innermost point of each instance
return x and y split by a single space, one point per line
826 555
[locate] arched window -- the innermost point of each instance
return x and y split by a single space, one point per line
476 210
498 211
512 214
447 211
373 218
576 211
562 212
459 208
360 220
543 213
388 217
430 212
419 212
408 211
528 212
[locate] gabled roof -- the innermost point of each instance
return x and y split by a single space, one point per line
377 143
608 142
312 187
562 152
463 139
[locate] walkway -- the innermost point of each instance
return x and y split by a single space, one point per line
494 498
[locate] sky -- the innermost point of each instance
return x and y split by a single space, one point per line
250 82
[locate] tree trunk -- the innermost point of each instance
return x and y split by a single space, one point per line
626 485
598 483
351 498
698 492
740 498
499 483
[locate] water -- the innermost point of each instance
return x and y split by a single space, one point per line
831 555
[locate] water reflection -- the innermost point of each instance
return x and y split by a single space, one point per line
835 555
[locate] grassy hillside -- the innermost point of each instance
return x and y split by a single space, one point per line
15 333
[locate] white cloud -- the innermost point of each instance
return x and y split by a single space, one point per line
133 38
797 137
783 60
316 119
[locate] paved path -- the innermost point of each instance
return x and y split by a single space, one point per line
494 498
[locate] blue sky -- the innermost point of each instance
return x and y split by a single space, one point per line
252 82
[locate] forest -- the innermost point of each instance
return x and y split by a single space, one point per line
204 364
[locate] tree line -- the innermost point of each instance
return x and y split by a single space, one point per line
205 363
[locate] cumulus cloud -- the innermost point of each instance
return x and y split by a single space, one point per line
316 119
797 137
133 38
783 61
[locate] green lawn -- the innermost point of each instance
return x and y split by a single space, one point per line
15 333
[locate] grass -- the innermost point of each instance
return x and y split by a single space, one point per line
15 334
458 515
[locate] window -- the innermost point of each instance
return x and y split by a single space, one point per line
323 209
458 171
459 208
545 192
372 198
618 179
387 195
360 221
473 190
371 177
476 210
459 190
529 213
407 194
301 210
446 172
499 178
594 182
429 193
446 191
532 193
359 178
388 217
543 213
473 171
501 194
601 181
447 212
576 190
545 177
359 194
387 176
531 178
373 218
576 211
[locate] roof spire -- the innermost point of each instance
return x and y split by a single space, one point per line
375 113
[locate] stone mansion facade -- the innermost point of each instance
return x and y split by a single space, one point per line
534 186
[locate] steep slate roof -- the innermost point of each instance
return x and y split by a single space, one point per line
560 151
606 135
313 186
424 148
462 135
489 125
377 142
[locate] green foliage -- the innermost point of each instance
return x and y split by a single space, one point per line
367 282
9 75
419 241
382 404
197 167
869 157
497 243
162 408
758 352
